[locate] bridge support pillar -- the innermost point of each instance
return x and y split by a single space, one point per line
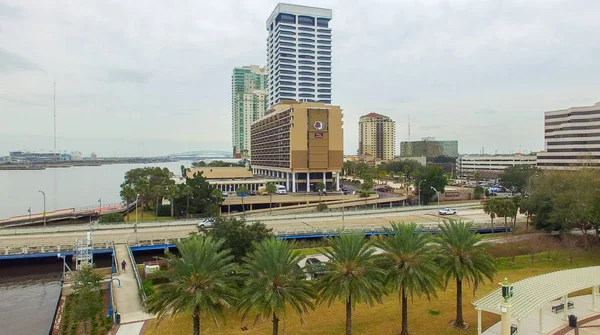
6 250
293 182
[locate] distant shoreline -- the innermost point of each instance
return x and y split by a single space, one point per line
67 164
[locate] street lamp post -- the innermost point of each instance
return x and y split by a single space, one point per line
420 190
44 213
438 201
137 197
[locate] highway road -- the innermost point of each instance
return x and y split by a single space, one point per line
124 232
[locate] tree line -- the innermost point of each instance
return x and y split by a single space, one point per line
423 178
205 279
151 184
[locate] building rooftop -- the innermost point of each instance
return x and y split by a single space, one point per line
299 10
375 115
233 172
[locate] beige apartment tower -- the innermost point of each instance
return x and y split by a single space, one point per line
377 136
301 143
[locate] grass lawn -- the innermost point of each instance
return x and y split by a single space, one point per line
148 217
425 317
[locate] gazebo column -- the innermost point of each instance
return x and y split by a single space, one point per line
478 321
540 322
594 293
519 327
566 307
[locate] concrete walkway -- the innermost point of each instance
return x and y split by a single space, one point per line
127 297
131 328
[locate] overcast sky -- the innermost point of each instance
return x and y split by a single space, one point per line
153 77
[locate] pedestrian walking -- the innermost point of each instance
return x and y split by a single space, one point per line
124 266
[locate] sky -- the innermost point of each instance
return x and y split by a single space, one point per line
154 77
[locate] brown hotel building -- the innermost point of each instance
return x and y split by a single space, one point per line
301 143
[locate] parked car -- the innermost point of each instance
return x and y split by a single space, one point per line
447 211
206 223
314 267
224 193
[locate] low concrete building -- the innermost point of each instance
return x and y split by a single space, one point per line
229 179
490 166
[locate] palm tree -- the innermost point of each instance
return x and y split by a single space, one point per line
270 188
351 275
274 281
172 193
200 281
461 255
490 207
412 269
320 186
242 191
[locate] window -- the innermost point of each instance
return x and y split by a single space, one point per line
287 49
304 89
302 39
327 80
324 69
306 95
326 96
287 55
303 45
285 60
325 63
307 84
286 94
285 32
286 66
306 20
326 47
324 41
320 52
308 78
287 78
283 88
286 44
287 27
306 29
287 72
287 38
323 74
324 36
303 67
306 51
321 22
324 90
306 73
306 34
324 58
328 31
306 57
287 18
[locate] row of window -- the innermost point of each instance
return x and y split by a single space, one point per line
595 119
548 117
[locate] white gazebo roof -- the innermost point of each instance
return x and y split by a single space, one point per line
531 293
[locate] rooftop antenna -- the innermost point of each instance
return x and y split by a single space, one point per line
55 116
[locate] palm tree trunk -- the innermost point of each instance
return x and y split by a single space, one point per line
459 313
527 224
156 214
187 207
270 202
172 207
404 313
275 324
128 210
196 320
349 315
243 207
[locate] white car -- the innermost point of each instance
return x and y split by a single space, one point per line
206 223
447 211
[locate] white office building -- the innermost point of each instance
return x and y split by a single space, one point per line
572 138
299 54
491 165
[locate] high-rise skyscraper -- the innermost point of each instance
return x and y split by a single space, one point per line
248 104
299 54
377 136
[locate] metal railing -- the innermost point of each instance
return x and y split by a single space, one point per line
137 276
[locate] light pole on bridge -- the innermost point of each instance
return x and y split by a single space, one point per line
44 213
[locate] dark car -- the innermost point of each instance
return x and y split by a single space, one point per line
315 267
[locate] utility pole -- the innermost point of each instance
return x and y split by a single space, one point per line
54 116
44 214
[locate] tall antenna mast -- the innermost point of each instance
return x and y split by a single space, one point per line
54 116
409 127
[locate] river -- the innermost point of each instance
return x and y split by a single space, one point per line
80 186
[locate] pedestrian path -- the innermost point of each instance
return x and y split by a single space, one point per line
127 297
134 328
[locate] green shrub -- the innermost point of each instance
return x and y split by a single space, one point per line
111 218
147 287
321 207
